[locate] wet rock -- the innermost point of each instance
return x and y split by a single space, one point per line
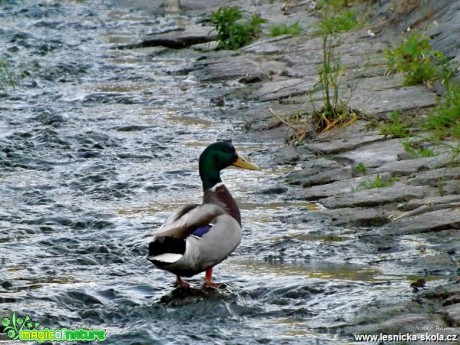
6 285
227 68
334 188
274 190
440 264
133 156
443 292
285 155
133 128
376 196
327 177
311 168
202 6
452 300
405 323
452 313
179 39
354 216
426 222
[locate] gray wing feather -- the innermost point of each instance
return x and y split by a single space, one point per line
180 224
209 250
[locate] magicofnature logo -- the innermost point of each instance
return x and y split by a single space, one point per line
25 329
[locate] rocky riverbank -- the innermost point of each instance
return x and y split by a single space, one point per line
411 226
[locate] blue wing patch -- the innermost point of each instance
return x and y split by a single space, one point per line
199 232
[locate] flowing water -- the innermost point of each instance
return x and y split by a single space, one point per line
97 146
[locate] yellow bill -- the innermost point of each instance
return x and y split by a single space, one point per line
244 164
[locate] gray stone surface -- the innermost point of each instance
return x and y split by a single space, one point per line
375 197
342 145
402 323
355 216
435 177
268 45
311 168
327 177
404 167
382 94
180 38
329 189
438 264
452 313
275 90
374 154
426 222
230 68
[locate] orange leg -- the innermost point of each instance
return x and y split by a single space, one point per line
208 280
180 283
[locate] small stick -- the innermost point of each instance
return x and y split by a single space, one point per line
281 119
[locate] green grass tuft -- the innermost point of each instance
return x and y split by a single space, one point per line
344 20
394 126
417 60
377 182
417 150
444 120
285 29
234 28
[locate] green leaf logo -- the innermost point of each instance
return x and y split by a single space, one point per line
13 326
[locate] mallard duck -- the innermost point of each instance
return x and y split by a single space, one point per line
195 238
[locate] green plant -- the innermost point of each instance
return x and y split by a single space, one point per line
339 4
394 126
377 182
234 30
344 20
417 150
335 111
361 168
444 120
417 60
7 78
285 29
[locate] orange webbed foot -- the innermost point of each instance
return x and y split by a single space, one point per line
181 283
208 284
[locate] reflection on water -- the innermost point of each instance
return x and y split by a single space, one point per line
318 270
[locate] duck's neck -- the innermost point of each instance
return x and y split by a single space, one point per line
209 178
219 194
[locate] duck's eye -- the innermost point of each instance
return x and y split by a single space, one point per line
227 149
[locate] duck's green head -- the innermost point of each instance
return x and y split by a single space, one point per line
217 157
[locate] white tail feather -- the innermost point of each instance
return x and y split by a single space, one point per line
166 257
